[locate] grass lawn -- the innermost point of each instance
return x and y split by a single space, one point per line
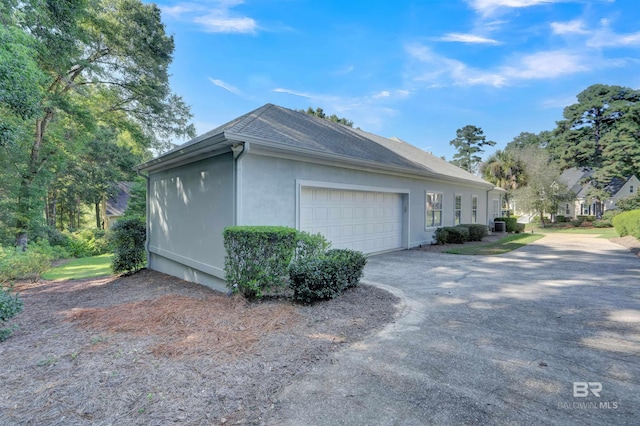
86 267
602 232
504 245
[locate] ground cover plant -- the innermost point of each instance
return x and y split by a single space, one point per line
152 349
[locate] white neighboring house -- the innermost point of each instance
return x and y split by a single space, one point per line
575 178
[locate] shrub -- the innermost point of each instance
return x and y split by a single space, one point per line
586 218
10 306
457 235
258 257
560 218
577 222
24 265
520 227
602 224
310 245
476 231
441 236
327 276
511 223
610 214
628 223
128 237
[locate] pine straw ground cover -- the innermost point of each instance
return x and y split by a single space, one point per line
152 349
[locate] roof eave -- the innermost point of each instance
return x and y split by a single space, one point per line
345 160
200 149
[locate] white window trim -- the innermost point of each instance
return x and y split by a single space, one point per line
426 193
455 209
474 210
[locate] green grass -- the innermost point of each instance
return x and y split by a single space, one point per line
86 267
504 245
602 232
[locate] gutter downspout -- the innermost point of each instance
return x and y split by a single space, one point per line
146 241
239 151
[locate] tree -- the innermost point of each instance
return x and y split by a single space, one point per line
104 62
527 139
505 170
469 142
581 138
318 112
544 192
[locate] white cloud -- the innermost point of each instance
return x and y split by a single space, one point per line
226 86
571 27
598 37
550 64
293 92
467 38
439 70
383 94
213 16
488 7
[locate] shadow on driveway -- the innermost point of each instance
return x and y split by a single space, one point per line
548 334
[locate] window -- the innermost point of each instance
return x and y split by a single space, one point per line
457 210
433 209
496 208
631 189
474 209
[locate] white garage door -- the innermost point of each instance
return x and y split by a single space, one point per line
366 221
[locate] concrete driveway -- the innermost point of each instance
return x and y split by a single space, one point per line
525 338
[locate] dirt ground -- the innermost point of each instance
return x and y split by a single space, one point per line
152 349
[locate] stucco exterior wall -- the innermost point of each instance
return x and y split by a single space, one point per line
189 207
268 191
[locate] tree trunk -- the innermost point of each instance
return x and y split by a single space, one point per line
98 222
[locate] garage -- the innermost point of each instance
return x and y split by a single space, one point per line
367 221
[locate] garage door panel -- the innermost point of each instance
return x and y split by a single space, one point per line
365 221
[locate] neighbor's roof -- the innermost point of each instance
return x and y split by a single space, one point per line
281 128
574 179
117 204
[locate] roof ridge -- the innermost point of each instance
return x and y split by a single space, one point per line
256 113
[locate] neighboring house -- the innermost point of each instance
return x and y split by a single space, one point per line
275 166
115 206
577 180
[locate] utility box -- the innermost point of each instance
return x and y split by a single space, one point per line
500 226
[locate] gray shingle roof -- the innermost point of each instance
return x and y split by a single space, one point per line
117 204
277 126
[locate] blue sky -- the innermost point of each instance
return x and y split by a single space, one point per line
417 70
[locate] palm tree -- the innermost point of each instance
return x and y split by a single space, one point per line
504 171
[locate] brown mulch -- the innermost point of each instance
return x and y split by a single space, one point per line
153 349
629 242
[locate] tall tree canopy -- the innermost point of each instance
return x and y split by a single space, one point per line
319 112
584 137
82 66
469 142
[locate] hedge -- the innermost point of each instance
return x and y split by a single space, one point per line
128 237
627 223
257 258
452 235
327 276
511 223
476 231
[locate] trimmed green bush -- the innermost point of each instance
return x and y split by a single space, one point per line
627 223
325 277
440 236
586 218
457 235
560 218
10 306
511 223
520 228
602 223
128 237
310 245
476 231
258 257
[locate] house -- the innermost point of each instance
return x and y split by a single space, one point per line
114 206
275 166
577 179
